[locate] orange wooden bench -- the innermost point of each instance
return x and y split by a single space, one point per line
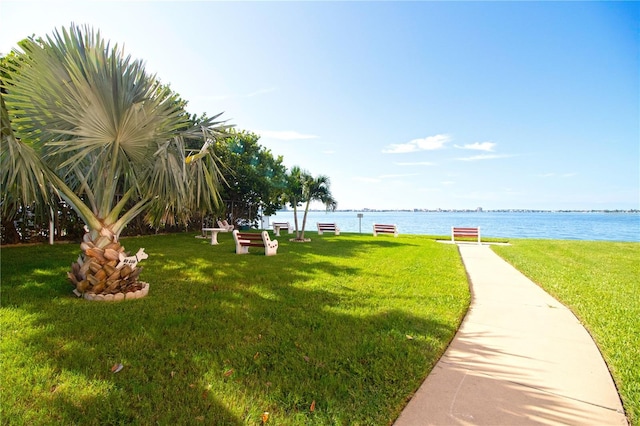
385 229
244 240
459 232
328 227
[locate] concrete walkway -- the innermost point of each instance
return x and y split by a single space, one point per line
519 358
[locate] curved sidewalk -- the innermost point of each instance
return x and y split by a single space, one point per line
519 358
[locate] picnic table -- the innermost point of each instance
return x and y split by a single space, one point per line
214 234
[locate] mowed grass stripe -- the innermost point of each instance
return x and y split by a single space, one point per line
600 283
352 322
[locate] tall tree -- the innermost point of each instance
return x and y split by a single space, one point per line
304 189
316 189
294 191
87 123
255 178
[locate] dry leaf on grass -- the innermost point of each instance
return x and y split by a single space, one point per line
117 368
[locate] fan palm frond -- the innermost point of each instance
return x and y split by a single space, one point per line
92 109
23 177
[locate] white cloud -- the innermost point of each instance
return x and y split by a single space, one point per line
425 144
284 135
484 157
417 163
329 152
478 146
447 182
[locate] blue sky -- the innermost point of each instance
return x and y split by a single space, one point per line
531 105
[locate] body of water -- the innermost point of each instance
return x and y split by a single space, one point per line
546 225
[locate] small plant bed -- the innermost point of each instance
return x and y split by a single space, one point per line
598 281
336 331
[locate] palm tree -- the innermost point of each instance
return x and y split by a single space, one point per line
304 188
294 191
85 122
316 189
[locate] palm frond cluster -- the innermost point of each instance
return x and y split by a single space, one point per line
84 122
86 125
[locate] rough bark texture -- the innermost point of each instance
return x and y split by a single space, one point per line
100 268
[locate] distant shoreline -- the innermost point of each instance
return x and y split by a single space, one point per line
476 210
610 225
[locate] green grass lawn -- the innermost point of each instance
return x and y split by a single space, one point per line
600 283
347 325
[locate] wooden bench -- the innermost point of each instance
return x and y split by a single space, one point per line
458 232
385 229
277 226
244 240
328 227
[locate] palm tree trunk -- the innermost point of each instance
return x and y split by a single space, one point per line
100 269
295 220
304 219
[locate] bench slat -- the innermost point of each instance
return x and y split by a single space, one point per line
249 236
244 240
465 232
328 227
385 229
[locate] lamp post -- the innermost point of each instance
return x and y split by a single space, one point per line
360 222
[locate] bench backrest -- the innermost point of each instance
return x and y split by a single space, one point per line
251 236
327 226
244 240
384 229
465 232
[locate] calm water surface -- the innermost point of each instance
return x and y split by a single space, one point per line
546 225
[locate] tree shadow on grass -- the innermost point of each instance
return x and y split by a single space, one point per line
476 381
217 342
